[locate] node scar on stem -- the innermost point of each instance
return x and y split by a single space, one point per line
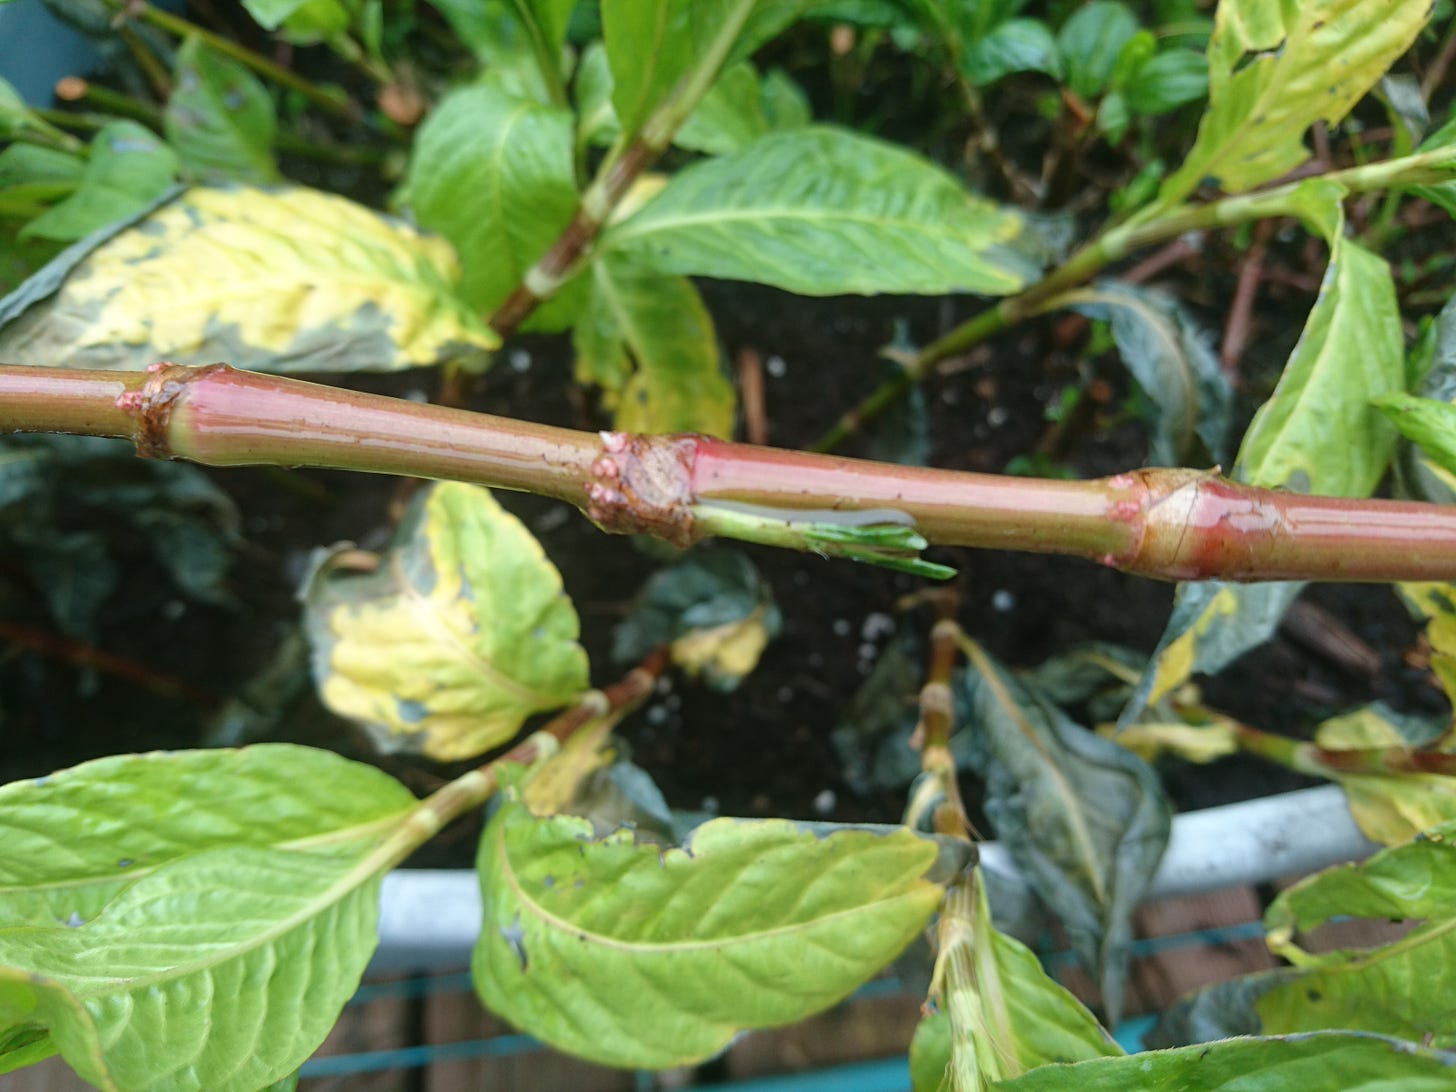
643 485
150 405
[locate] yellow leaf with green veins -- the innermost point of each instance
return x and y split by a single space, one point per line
283 279
459 635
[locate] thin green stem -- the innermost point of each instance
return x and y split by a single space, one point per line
1152 225
330 100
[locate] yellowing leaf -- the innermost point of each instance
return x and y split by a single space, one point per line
460 635
728 651
281 280
1437 604
1277 68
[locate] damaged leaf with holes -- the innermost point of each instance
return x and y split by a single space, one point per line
285 279
459 633
629 954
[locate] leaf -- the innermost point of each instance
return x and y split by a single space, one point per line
461 634
66 501
520 43
930 1052
1213 624
302 22
128 169
1017 45
286 279
1393 807
712 608
191 919
738 109
1218 1011
1436 603
1425 421
1318 432
493 173
654 46
219 118
1171 360
627 954
1084 819
1167 81
821 211
1276 69
648 341
1388 989
1090 42
1321 1062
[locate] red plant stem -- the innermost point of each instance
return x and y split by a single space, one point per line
1168 524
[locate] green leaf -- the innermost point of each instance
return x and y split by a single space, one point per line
1172 361
930 1052
821 211
1017 45
284 279
128 169
1388 989
1276 69
493 174
631 955
460 634
1167 81
302 22
219 118
1085 819
520 43
712 609
23 164
1323 1062
1424 421
1090 42
648 341
193 919
653 45
739 109
1318 433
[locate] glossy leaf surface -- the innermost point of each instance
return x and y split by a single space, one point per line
459 635
629 954
821 211
280 280
1276 69
492 172
1085 819
648 341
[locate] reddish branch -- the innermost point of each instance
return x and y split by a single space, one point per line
1169 524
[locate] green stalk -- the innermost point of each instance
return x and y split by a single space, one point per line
1152 225
1167 524
632 155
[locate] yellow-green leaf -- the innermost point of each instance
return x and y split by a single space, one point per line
1393 807
631 954
1436 603
648 340
460 634
1277 68
279 280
